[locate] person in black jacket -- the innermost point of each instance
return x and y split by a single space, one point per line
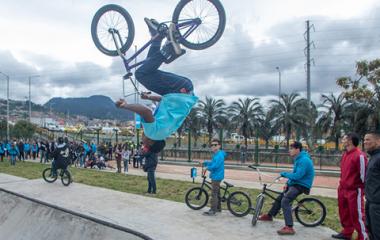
150 165
61 156
372 185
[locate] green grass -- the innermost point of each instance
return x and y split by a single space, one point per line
173 190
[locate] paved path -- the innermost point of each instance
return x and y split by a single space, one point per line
157 218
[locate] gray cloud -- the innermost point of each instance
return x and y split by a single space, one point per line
238 65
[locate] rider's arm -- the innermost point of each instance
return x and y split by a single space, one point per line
217 160
142 110
147 96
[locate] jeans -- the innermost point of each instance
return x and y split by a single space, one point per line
159 81
215 196
13 160
125 165
151 182
284 201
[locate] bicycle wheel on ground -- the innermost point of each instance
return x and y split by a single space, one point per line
66 177
239 204
310 212
258 208
211 16
112 18
196 198
48 175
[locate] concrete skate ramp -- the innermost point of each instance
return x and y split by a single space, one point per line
25 218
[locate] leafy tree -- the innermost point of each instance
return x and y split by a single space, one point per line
193 123
290 111
246 115
333 116
23 129
365 89
212 111
268 127
3 129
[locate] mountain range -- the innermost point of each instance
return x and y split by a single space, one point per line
97 106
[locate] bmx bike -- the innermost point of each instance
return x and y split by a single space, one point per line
65 175
197 197
308 211
199 25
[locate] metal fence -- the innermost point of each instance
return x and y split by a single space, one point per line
270 158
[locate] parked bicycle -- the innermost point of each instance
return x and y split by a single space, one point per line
199 24
65 175
308 211
197 197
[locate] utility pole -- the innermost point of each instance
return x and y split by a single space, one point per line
308 60
7 77
279 83
30 96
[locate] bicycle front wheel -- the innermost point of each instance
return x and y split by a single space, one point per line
210 16
112 21
310 212
196 198
259 207
239 204
48 176
66 178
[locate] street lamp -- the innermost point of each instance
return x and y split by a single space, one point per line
7 77
30 97
279 83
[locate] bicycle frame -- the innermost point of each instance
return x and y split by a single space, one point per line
208 185
192 24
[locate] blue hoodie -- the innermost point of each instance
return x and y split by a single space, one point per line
303 171
216 166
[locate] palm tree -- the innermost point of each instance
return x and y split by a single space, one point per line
193 123
212 111
268 127
333 116
246 115
290 113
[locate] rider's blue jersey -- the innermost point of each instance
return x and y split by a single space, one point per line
169 115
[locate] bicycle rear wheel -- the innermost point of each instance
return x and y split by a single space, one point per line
196 198
239 204
48 175
112 18
211 16
66 178
259 207
310 212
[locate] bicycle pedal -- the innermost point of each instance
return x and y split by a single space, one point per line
128 75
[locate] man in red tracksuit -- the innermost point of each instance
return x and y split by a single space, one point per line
351 189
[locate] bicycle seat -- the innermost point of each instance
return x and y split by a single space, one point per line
228 184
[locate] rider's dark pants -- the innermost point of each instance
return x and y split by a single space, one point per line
215 196
284 201
159 81
151 181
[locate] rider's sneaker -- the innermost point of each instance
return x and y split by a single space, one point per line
210 213
173 39
169 53
266 218
286 231
152 26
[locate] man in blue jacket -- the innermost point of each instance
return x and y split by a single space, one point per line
216 169
299 181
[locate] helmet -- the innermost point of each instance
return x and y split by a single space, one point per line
60 140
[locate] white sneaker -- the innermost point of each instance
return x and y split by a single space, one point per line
173 39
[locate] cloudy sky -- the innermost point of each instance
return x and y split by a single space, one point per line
51 38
